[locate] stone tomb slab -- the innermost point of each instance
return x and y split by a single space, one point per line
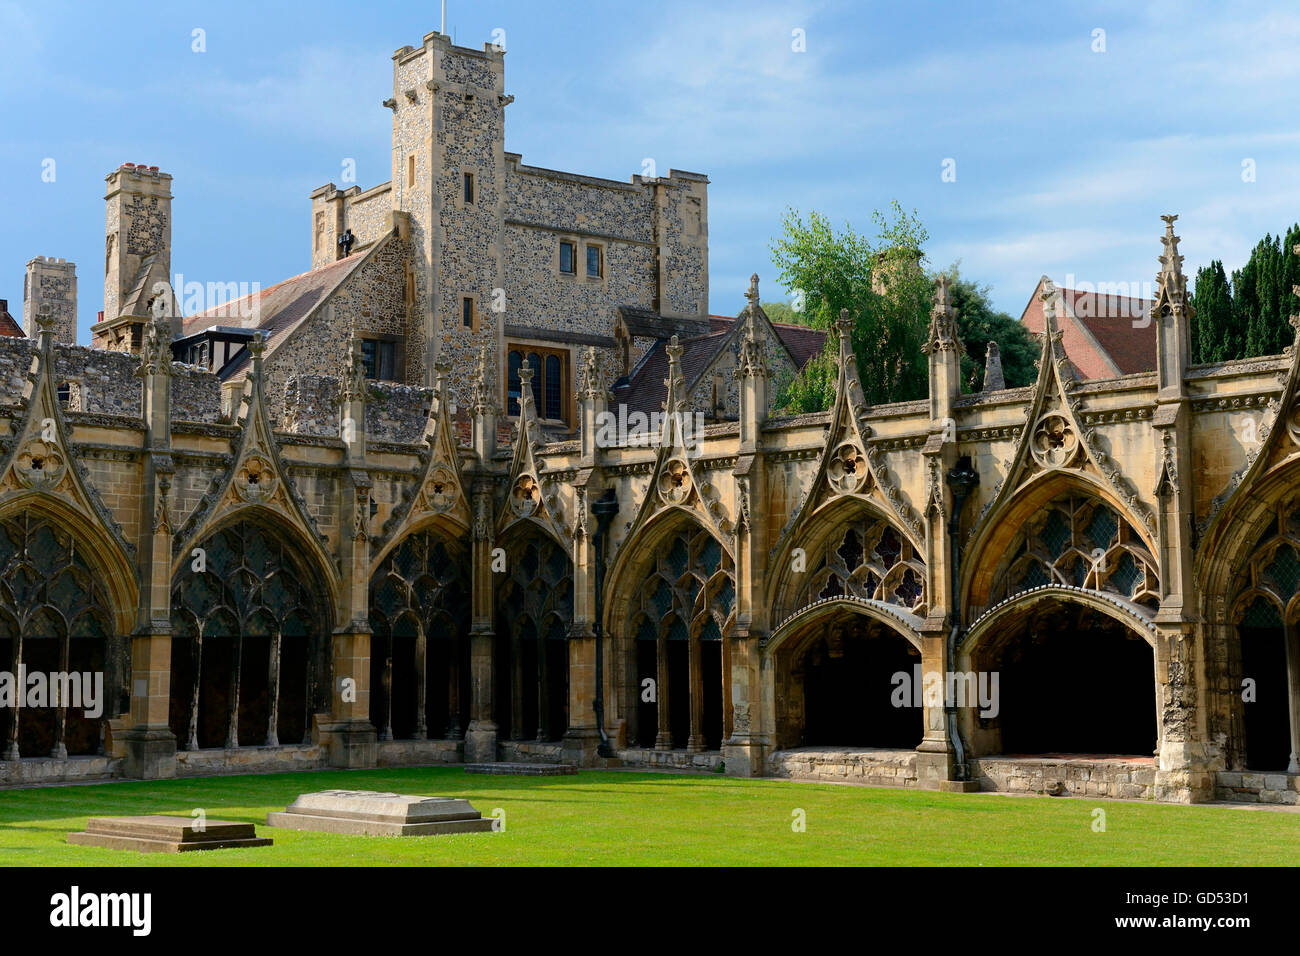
369 813
162 834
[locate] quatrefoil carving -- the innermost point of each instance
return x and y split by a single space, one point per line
847 470
675 482
1054 443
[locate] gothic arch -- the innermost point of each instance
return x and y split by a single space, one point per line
670 612
1076 670
419 619
534 612
251 622
835 667
986 557
851 547
62 608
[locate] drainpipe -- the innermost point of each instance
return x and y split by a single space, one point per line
962 481
604 508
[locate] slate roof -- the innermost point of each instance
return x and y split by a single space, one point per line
276 310
1104 336
647 390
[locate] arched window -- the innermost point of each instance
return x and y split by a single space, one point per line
1266 611
55 620
868 559
1078 541
678 622
419 614
248 640
535 610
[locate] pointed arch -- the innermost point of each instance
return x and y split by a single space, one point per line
993 540
252 584
59 612
419 618
866 570
534 603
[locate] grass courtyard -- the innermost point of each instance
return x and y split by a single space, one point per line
618 818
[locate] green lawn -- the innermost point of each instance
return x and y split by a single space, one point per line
619 818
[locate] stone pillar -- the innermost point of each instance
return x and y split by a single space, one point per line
150 743
582 736
481 735
1292 638
347 731
753 729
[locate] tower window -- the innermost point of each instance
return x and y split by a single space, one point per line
469 187
379 359
410 170
467 312
550 375
593 262
568 257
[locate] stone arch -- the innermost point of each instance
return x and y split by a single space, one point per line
419 619
534 613
251 622
671 608
998 561
66 602
835 665
1263 653
851 547
1075 673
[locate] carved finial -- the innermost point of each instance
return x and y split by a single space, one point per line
994 378
1049 296
752 294
354 387
589 386
943 324
481 397
256 345
525 389
441 376
1171 284
675 400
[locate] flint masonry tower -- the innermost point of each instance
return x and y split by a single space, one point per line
448 108
137 254
51 282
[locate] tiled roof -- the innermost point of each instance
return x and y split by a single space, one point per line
276 310
1104 336
9 328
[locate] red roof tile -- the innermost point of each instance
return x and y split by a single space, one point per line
1104 336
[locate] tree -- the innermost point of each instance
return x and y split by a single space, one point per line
834 272
782 312
1215 323
978 324
1248 315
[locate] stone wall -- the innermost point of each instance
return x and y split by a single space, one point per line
880 768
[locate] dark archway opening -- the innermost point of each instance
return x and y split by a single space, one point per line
679 691
1072 681
647 710
849 684
1267 717
254 690
214 690
711 683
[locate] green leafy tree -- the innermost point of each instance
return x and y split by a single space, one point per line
978 324
830 272
1249 314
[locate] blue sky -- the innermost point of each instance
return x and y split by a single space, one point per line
1064 157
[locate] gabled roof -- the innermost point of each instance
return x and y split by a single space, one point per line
8 326
1104 336
276 310
647 388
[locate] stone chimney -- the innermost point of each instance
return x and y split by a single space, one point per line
137 255
51 282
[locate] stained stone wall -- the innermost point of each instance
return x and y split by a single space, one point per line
51 282
334 210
